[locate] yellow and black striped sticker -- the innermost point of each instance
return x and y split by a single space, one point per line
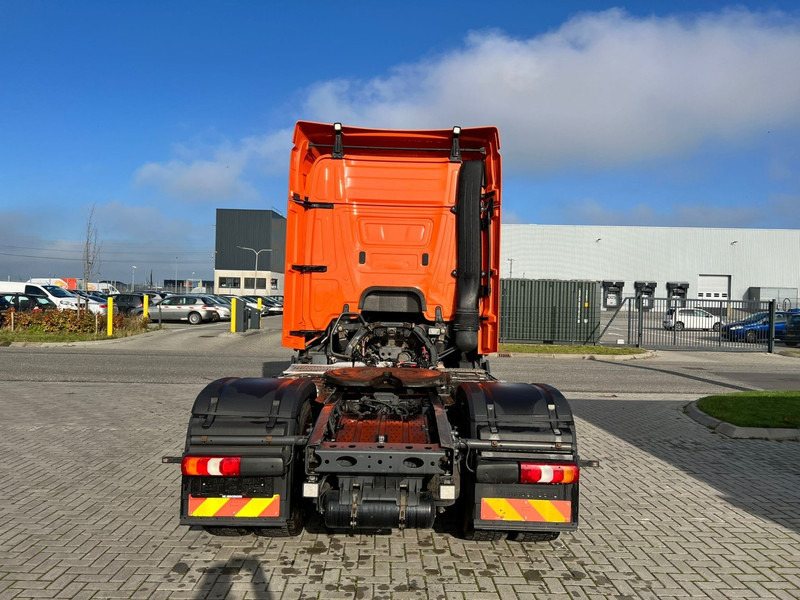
520 509
235 507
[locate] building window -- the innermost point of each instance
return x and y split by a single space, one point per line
273 283
261 283
230 282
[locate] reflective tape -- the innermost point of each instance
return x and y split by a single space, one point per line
520 509
235 507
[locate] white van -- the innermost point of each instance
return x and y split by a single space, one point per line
62 298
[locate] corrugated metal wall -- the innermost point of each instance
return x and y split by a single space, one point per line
255 229
549 311
765 258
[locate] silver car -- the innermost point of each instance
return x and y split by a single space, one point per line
185 307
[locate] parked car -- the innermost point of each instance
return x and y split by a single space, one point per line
221 305
127 303
156 296
96 304
271 305
23 303
183 307
755 328
791 335
691 318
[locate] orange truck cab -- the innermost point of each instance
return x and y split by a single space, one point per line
395 227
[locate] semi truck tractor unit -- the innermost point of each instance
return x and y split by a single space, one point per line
388 415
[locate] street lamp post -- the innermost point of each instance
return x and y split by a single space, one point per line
133 278
255 273
176 274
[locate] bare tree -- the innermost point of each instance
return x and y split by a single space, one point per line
91 250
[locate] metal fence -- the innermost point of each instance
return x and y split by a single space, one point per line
549 311
696 324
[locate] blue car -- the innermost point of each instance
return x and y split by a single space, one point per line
755 328
791 337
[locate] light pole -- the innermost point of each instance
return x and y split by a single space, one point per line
133 278
176 274
255 273
510 268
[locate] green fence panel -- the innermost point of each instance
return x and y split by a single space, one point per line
549 311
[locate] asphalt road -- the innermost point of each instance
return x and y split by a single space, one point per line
203 353
674 511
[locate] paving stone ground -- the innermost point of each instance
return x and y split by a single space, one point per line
674 511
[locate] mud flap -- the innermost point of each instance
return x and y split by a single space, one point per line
256 420
512 424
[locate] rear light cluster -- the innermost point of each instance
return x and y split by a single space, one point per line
548 473
224 466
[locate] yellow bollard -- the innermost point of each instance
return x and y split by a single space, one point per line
146 310
234 304
110 317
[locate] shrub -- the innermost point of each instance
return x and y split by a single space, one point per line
60 321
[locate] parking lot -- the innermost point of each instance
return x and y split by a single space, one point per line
674 511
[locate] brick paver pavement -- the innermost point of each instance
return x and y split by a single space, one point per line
675 511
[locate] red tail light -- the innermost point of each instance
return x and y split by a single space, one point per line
225 466
548 473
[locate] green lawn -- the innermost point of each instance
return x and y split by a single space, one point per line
557 349
755 409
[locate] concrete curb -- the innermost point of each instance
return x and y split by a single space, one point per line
600 357
734 431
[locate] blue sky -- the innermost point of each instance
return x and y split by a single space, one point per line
154 114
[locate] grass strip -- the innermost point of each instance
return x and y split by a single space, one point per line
779 408
557 349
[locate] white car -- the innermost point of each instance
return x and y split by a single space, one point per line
96 304
691 318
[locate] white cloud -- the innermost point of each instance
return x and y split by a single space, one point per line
222 177
604 90
778 211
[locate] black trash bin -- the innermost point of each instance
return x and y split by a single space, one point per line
677 291
645 290
612 294
254 321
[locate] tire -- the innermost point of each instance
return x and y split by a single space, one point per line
716 327
227 531
295 524
195 318
292 527
533 536
484 535
678 326
750 337
468 532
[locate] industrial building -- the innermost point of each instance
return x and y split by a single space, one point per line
696 262
249 253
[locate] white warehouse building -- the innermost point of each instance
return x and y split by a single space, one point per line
718 263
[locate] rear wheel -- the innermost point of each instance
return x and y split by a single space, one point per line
294 525
484 535
195 318
533 536
716 326
227 531
678 326
750 337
